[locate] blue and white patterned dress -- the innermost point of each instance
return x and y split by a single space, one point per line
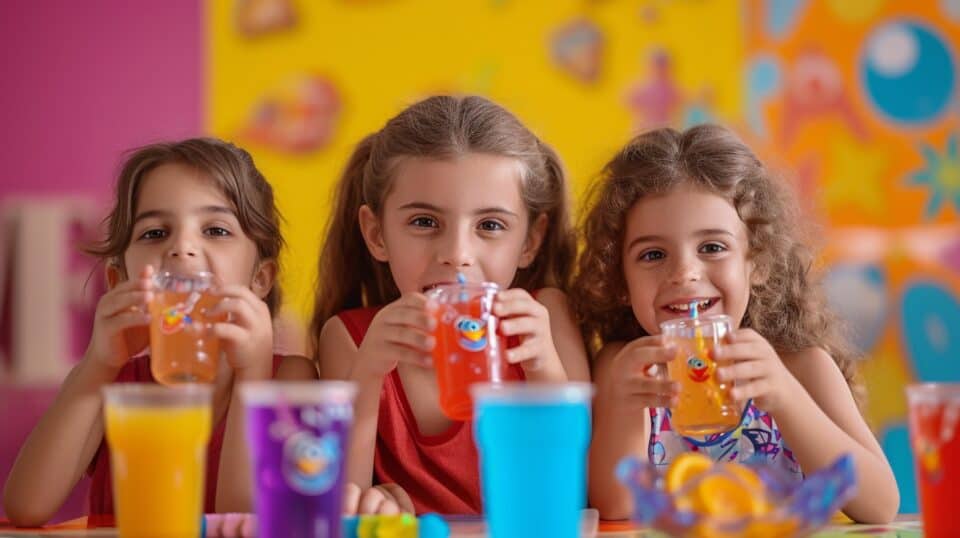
756 440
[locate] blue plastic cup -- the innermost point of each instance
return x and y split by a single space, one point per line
533 440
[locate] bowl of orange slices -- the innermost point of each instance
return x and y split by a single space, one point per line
695 497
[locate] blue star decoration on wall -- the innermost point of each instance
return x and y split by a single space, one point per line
941 177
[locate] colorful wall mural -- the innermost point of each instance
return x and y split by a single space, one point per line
854 102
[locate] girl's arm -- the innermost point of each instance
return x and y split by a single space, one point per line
823 423
338 357
621 421
234 485
60 448
566 338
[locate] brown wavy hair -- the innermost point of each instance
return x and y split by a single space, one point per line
439 127
233 171
787 307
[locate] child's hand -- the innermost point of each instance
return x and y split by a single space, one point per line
401 332
231 525
757 371
120 322
385 499
522 315
246 332
639 375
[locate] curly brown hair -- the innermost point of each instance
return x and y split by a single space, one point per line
786 306
439 127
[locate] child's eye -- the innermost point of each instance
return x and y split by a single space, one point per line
154 233
491 226
217 231
713 248
651 255
425 222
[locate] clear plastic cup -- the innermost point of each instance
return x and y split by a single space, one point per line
705 403
469 349
183 348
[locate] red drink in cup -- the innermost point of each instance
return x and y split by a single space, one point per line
469 349
934 435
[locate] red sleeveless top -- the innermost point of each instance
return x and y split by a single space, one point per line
439 472
137 370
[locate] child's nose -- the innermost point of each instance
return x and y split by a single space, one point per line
685 271
457 251
182 247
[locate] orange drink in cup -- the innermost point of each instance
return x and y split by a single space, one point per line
183 348
705 404
158 449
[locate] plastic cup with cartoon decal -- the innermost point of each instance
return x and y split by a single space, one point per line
469 349
298 434
183 348
705 404
532 439
158 449
935 437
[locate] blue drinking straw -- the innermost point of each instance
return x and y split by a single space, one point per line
694 312
462 280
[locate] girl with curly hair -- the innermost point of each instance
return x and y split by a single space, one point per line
693 216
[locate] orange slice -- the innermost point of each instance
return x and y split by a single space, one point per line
723 496
684 468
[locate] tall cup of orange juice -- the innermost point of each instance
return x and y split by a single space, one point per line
469 349
158 444
705 404
183 348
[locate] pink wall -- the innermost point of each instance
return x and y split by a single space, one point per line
83 81
79 83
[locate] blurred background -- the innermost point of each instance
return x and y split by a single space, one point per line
853 101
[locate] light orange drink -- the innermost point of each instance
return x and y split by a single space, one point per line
183 348
158 444
705 404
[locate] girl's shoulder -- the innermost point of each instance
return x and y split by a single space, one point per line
810 365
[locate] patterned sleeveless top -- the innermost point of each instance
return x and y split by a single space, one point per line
756 440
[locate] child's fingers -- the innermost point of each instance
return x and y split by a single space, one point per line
531 348
414 317
127 320
742 392
738 351
517 302
240 311
742 370
409 337
351 499
230 332
404 502
644 385
521 325
371 501
126 301
639 357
